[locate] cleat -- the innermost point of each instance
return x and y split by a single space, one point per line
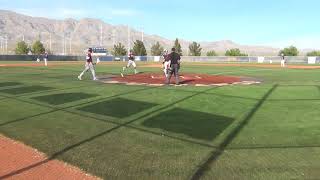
79 77
122 75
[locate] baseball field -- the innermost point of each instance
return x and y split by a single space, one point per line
269 130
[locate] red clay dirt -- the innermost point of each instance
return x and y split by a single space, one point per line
185 78
18 161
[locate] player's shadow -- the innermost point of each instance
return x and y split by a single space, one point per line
187 81
198 125
118 107
24 90
63 98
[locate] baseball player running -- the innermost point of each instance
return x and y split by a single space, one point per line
166 63
131 62
89 66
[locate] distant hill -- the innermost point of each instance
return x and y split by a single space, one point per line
87 32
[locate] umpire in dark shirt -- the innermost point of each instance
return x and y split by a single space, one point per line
175 66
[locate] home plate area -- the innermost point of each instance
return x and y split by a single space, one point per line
157 79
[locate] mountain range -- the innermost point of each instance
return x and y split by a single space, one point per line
70 36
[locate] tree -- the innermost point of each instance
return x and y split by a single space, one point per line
313 53
37 48
212 53
139 49
195 49
119 50
156 49
289 51
235 52
22 48
177 46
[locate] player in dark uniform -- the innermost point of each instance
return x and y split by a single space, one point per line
89 66
174 66
131 62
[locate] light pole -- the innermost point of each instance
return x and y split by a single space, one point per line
101 35
6 43
70 44
129 38
1 44
114 36
142 34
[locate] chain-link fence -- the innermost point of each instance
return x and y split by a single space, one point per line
211 59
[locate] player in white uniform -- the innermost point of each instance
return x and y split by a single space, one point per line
131 62
166 63
283 61
89 66
45 58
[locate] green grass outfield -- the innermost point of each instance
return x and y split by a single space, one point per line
266 131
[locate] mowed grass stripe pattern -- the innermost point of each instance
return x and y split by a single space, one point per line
173 130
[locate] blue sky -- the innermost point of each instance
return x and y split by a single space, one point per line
276 23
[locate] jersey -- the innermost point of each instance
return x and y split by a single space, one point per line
166 57
131 56
89 58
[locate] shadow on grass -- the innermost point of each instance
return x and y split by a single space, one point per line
66 149
205 166
194 124
57 99
24 90
8 84
119 107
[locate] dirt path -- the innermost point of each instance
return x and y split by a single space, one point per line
17 160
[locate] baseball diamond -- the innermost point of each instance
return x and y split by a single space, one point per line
159 90
220 122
